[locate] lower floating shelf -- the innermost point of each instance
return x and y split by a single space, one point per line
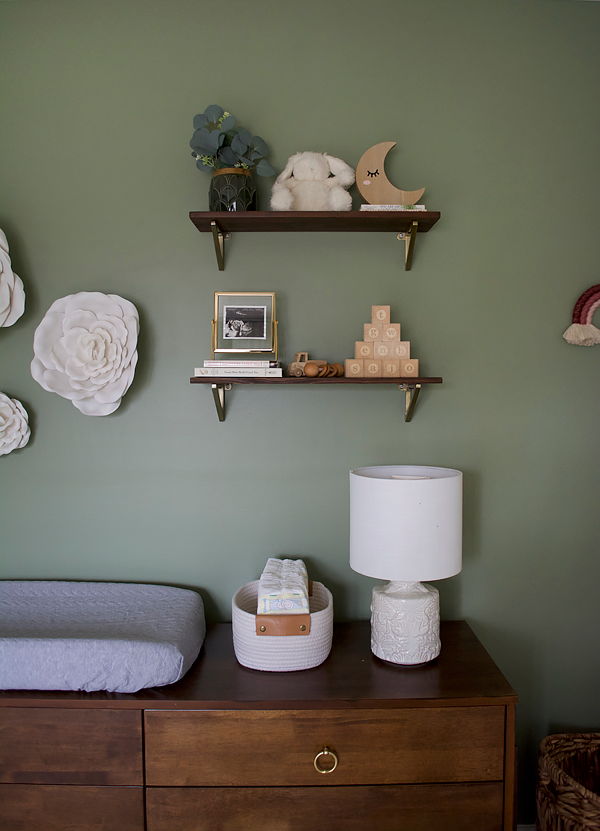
410 386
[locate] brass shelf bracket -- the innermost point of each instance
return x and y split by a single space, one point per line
219 240
409 237
218 391
412 393
410 387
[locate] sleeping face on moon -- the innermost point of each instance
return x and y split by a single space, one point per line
373 184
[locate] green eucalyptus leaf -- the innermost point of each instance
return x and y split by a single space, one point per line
245 136
228 156
227 123
238 146
260 146
211 142
197 134
201 149
263 168
200 121
213 112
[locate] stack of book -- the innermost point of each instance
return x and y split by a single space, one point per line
393 208
223 369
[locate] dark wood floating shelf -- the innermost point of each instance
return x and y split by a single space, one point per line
406 224
410 386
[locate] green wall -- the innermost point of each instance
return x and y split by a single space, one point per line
494 108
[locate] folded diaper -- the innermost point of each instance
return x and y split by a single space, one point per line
283 588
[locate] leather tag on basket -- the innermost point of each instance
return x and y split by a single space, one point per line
282 625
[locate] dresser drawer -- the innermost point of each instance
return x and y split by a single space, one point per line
278 747
475 807
73 747
71 808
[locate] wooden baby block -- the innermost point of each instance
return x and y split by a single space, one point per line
409 368
355 368
391 368
381 349
373 369
400 349
372 332
363 349
380 315
391 331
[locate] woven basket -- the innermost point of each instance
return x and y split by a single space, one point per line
281 653
568 791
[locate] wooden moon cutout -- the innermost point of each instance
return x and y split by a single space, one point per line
372 182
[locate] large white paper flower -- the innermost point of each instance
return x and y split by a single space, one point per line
85 350
12 293
14 425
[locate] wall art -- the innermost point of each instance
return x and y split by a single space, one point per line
12 293
85 350
582 331
14 425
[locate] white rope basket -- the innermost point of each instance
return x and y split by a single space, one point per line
281 653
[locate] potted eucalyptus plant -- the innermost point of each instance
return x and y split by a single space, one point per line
231 153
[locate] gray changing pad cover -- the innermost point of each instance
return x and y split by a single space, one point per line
118 637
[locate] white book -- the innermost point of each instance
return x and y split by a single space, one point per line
393 208
235 364
240 371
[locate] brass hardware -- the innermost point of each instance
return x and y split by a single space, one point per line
219 240
412 393
283 625
409 238
219 396
325 752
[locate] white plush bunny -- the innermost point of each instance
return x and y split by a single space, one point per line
313 182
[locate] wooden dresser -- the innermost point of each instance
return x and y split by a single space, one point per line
427 748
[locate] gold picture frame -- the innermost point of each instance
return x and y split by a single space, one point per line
244 322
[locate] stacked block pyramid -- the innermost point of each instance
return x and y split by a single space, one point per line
382 353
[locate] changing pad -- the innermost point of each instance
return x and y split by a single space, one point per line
118 637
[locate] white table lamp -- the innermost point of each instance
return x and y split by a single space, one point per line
405 527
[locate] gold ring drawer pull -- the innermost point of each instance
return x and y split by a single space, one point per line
325 752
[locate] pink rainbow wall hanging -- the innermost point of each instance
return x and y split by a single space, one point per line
582 331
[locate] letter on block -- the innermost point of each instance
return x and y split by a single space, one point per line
381 349
391 368
355 368
372 332
363 349
409 368
373 369
391 331
400 349
380 315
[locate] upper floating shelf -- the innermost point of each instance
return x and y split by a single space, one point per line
404 223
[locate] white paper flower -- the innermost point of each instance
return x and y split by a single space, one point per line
85 350
12 293
14 425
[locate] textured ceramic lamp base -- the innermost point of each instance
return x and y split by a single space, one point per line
405 623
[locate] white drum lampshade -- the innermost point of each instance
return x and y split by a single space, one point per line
405 527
